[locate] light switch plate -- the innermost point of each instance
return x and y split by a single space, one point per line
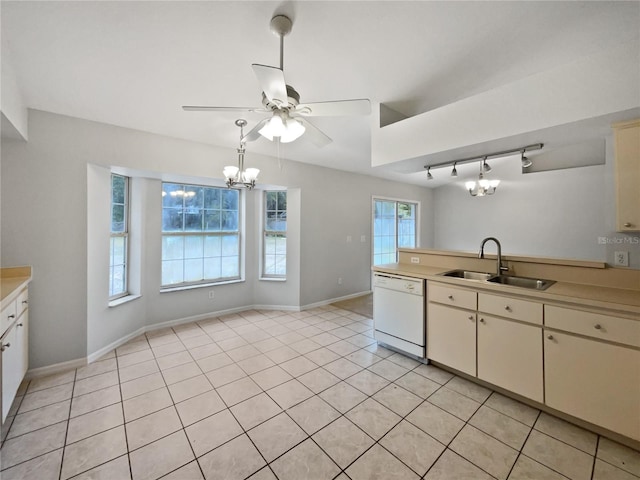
621 259
415 259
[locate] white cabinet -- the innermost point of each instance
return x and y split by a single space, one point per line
593 380
14 348
510 356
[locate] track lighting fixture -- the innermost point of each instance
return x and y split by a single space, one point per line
484 186
525 161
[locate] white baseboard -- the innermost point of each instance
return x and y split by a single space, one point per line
334 300
81 362
55 368
92 357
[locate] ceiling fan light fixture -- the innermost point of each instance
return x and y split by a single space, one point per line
275 127
294 129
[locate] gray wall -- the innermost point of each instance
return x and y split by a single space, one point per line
55 217
566 213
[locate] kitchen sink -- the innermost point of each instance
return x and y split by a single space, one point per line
524 282
467 274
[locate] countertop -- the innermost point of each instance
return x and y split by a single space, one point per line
12 281
618 299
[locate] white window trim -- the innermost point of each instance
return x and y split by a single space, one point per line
261 250
125 234
375 198
241 244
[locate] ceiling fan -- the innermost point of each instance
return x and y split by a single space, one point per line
288 116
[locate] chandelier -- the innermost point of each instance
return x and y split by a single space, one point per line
238 176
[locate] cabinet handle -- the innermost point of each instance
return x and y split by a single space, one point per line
626 224
25 302
21 325
482 320
550 337
597 326
11 316
507 308
4 347
450 297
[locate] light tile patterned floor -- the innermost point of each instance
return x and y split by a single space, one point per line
292 396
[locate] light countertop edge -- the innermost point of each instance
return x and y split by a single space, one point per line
12 282
617 299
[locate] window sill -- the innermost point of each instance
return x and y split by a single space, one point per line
122 300
273 279
199 285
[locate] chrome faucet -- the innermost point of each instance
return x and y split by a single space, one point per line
500 268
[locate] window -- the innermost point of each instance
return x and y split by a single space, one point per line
274 247
200 234
394 226
119 243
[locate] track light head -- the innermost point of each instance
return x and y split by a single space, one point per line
454 172
429 176
485 166
526 163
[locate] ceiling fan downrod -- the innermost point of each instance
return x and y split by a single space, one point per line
281 26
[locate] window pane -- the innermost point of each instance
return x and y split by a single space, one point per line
230 199
282 200
118 218
117 280
229 221
270 244
118 251
212 247
172 195
230 267
193 198
118 188
193 270
193 247
212 267
230 245
212 220
193 222
394 226
212 198
272 200
172 272
172 247
172 220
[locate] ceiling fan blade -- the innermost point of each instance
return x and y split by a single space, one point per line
200 108
271 80
254 133
335 109
314 134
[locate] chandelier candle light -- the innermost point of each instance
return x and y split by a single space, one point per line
238 176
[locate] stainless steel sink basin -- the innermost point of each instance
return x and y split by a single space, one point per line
524 282
467 274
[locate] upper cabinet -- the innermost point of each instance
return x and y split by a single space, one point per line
627 161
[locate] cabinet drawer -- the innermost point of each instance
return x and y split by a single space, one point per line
596 325
7 317
22 302
508 307
453 296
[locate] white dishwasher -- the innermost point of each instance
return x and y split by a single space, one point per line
398 312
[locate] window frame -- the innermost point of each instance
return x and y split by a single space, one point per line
185 285
124 234
265 232
396 201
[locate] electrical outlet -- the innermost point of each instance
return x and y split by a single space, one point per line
415 259
211 294
349 238
339 280
363 238
621 259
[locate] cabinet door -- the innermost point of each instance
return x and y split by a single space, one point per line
11 359
451 337
510 356
627 158
595 381
22 344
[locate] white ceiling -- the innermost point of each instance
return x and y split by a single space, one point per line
133 64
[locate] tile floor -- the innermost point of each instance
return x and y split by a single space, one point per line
289 396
